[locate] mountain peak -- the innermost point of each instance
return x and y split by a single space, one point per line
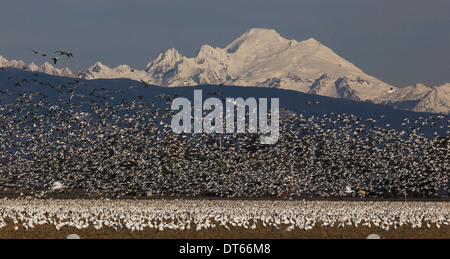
209 53
171 54
97 67
164 60
262 31
256 38
311 41
47 65
33 66
3 60
98 63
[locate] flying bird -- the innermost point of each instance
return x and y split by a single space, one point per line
145 83
55 59
37 52
61 52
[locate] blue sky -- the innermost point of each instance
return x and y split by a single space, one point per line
401 42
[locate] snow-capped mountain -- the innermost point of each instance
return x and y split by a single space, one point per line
437 100
100 71
46 68
260 57
263 58
420 98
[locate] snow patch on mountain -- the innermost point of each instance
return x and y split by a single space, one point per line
437 100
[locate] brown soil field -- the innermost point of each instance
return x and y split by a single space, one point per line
404 232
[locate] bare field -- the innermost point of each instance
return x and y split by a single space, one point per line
49 232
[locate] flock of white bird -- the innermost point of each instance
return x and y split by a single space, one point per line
166 215
99 141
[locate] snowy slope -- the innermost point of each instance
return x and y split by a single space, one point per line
409 93
437 100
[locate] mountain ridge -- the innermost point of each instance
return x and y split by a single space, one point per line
263 58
